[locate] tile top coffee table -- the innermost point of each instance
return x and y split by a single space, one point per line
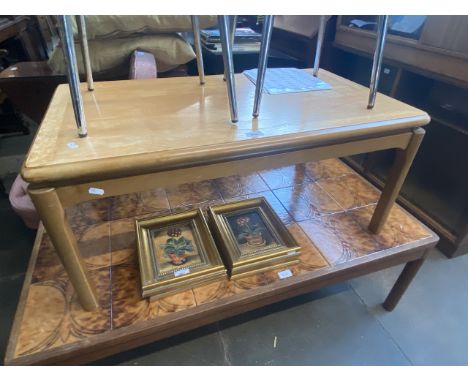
325 205
164 132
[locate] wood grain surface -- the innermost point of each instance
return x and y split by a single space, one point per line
136 124
317 205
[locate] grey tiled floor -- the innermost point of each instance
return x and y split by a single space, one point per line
339 325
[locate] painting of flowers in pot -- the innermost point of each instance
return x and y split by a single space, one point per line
176 247
251 232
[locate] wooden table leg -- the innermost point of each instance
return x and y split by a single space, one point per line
402 283
397 176
52 214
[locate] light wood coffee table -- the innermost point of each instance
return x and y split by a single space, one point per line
164 132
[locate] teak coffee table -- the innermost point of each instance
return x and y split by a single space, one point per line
167 132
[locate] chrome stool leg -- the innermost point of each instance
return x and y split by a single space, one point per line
232 37
262 62
318 49
80 21
198 48
228 65
72 74
378 56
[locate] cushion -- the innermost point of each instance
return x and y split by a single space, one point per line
170 51
99 27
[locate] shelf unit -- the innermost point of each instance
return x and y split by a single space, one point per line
435 79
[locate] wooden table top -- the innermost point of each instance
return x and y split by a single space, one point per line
325 205
150 125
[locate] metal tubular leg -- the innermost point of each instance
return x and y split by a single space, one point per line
198 48
223 22
262 62
318 50
232 37
72 74
378 56
80 21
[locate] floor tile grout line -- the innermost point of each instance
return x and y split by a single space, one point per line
111 310
224 344
330 195
11 277
394 341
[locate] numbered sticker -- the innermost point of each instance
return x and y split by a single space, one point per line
285 274
181 272
96 191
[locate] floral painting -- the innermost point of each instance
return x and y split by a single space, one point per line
251 233
176 247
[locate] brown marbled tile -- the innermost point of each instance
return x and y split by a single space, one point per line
339 238
123 243
94 244
128 307
53 316
310 257
272 200
249 282
88 213
285 176
213 291
399 228
176 302
327 168
193 193
86 323
203 206
45 309
48 265
350 191
139 203
306 201
236 185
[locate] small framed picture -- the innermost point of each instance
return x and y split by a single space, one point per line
252 237
176 252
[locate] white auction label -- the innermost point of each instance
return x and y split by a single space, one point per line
96 191
285 274
181 272
290 253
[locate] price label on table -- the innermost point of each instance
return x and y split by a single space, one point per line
181 272
285 274
96 191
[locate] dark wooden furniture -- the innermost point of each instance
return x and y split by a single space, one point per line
325 205
30 86
430 72
243 60
24 29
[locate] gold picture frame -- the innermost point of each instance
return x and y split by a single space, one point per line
176 252
252 237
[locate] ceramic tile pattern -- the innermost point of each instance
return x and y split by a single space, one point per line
324 205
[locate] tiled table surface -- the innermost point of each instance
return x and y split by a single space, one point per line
325 205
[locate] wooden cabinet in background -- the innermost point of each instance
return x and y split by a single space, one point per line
429 71
440 48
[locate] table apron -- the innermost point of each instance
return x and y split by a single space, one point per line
76 193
